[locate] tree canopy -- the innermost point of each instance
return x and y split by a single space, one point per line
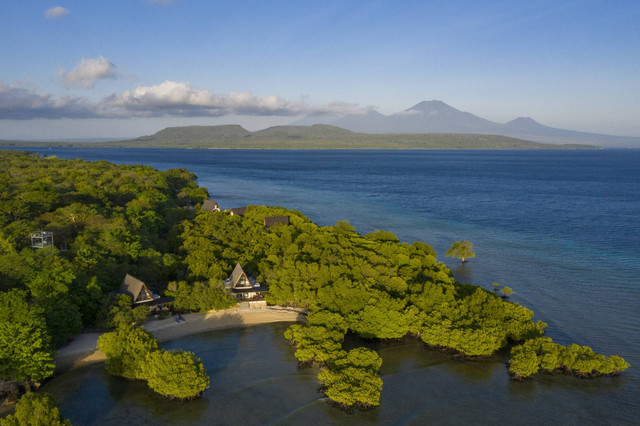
25 347
133 353
462 250
126 350
35 409
175 374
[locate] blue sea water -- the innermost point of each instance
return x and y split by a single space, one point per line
561 228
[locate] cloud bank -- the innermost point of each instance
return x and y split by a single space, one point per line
56 12
88 72
18 103
168 99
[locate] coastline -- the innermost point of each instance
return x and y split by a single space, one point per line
82 350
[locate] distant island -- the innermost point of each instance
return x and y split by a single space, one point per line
317 136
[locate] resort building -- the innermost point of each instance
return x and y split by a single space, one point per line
242 286
41 239
210 206
141 295
238 211
269 221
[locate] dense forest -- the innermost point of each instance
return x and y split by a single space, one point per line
110 220
106 221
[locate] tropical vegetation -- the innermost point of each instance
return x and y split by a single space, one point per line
462 250
133 353
35 410
110 220
370 285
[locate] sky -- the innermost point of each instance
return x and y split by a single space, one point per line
126 68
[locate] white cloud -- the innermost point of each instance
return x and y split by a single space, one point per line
88 72
168 99
19 103
56 12
181 99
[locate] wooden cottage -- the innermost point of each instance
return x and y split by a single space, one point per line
210 206
242 286
269 221
141 295
238 211
136 289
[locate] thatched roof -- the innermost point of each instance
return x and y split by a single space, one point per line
239 211
136 289
237 273
210 206
269 221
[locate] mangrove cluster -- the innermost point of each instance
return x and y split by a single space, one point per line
371 285
133 353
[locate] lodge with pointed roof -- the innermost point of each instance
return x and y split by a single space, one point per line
140 293
242 286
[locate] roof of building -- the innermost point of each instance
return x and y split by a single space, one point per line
237 273
42 234
131 286
210 206
240 211
269 221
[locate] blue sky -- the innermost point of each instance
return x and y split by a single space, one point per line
123 68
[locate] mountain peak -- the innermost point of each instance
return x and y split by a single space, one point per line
523 123
523 120
432 106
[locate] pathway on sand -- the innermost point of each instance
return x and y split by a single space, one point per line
82 350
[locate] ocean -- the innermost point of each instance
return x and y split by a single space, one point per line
561 228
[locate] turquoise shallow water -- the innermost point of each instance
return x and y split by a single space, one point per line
562 228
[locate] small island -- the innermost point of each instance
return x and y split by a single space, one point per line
95 224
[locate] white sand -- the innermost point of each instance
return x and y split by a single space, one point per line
82 350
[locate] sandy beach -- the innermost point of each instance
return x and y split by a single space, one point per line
82 350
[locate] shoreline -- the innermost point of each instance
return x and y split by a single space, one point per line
82 350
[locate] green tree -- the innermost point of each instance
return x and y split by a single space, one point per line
126 350
36 410
506 292
462 250
352 379
118 311
200 296
25 347
175 374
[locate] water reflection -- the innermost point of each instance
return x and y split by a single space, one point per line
254 380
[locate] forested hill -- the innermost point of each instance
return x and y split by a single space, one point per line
321 136
318 136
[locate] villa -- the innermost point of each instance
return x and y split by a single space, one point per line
210 206
141 295
238 211
242 286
